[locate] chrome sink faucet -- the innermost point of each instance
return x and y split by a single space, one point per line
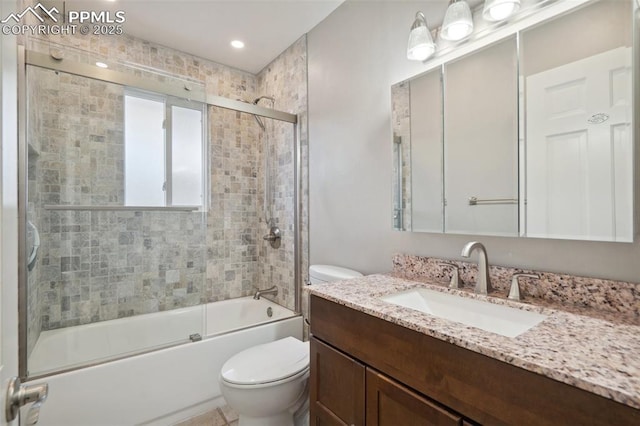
454 282
514 291
483 283
271 290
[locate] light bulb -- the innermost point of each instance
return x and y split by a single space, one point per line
499 10
502 11
458 22
421 52
420 45
458 31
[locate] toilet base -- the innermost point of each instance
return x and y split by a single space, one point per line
282 419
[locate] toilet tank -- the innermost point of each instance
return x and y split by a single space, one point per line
326 273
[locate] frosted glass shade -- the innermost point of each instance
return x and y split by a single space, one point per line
420 45
458 23
499 10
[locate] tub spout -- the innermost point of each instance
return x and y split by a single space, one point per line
271 290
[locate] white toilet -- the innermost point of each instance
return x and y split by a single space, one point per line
266 384
319 274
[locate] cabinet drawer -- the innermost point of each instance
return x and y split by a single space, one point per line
390 404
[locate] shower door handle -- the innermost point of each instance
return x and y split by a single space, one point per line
33 256
19 395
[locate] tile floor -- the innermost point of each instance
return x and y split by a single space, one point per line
223 416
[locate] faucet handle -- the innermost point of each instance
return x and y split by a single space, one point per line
455 274
514 291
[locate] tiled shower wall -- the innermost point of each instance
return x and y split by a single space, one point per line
145 282
285 79
232 225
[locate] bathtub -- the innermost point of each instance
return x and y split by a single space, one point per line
153 388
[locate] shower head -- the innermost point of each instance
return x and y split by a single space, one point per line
269 98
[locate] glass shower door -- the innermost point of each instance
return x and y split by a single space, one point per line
105 277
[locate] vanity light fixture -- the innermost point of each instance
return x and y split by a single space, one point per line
421 45
499 10
458 22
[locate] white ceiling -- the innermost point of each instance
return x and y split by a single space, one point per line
206 27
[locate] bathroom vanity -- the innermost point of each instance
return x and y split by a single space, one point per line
375 363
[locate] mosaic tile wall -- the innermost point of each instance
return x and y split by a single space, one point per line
285 79
233 218
116 264
232 265
80 135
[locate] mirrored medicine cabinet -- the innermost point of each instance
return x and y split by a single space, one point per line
530 135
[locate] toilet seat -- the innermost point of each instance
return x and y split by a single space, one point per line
267 364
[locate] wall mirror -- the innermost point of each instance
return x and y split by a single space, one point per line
530 135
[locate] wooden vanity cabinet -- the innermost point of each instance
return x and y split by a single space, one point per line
390 404
337 387
367 371
345 392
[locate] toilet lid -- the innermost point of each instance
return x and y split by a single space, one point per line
332 273
266 363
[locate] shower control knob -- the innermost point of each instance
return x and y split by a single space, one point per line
19 395
274 236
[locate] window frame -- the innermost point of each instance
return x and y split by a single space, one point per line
167 126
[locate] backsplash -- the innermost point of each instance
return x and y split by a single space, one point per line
619 299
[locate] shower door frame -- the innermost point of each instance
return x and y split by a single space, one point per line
42 60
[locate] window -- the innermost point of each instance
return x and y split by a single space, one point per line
164 161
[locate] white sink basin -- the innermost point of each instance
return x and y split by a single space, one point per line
499 319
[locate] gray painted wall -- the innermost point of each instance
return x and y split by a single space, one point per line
355 55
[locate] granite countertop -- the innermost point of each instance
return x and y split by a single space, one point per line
589 353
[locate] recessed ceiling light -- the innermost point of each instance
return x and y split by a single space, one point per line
102 65
237 44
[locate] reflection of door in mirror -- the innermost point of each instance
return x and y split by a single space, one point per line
481 142
579 154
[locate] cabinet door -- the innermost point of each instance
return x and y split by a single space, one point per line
337 387
391 404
